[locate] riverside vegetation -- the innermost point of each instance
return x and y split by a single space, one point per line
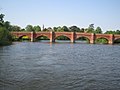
6 38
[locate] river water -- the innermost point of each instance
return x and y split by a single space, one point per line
59 66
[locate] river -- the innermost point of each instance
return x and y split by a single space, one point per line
59 66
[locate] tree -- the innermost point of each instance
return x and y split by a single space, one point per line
90 29
82 30
98 30
4 34
7 25
91 26
65 29
59 29
113 32
49 29
45 29
1 19
110 32
37 28
29 28
55 29
101 40
117 31
15 28
22 29
74 29
5 37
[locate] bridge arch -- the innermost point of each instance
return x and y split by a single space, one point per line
102 40
105 37
42 37
21 37
63 36
83 38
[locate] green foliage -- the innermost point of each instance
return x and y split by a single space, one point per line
117 41
91 26
1 19
29 28
15 28
59 29
98 30
22 29
65 29
90 29
62 38
82 30
5 37
101 41
55 29
45 30
113 32
7 25
83 39
49 29
110 32
42 38
37 28
117 32
74 29
23 38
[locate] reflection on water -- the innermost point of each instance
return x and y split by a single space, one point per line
58 66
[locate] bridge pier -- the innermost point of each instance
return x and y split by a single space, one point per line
72 37
111 41
52 37
92 40
32 37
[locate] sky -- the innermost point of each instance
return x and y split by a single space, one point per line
82 13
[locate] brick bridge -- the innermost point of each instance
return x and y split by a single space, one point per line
71 35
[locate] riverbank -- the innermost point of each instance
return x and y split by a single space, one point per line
5 43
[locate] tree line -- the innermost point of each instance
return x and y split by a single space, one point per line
37 28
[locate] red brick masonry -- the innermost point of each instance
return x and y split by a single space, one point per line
71 35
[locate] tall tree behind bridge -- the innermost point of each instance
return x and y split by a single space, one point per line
98 30
74 29
29 28
37 28
90 29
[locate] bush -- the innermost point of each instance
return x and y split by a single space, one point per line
5 37
101 41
